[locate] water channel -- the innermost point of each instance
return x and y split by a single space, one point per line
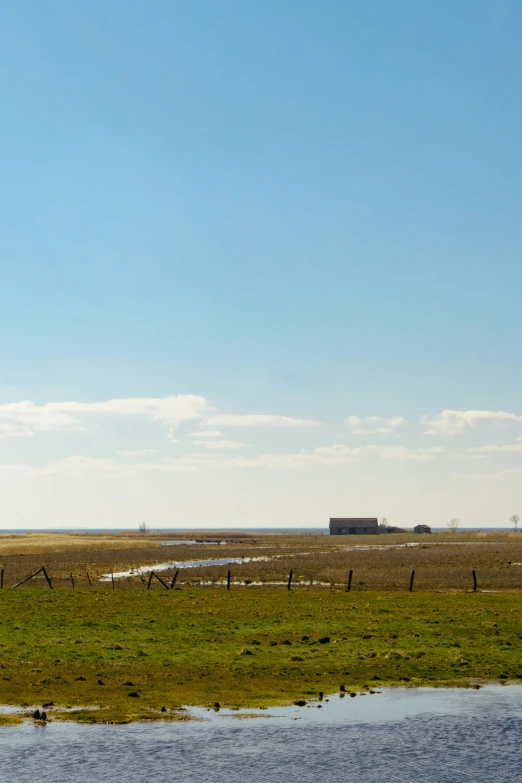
398 736
230 560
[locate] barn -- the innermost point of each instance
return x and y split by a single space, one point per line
349 526
422 529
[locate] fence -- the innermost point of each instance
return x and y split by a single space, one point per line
473 582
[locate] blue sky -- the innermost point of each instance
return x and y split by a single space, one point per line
288 209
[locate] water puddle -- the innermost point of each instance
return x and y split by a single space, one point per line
388 704
370 706
193 543
182 564
426 543
400 735
257 583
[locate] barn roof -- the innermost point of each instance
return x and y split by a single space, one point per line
354 521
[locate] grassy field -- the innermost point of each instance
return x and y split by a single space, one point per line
249 647
442 561
256 645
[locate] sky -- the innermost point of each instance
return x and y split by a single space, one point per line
260 263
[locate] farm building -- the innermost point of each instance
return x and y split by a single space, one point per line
422 529
342 526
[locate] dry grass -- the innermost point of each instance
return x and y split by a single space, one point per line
442 561
43 543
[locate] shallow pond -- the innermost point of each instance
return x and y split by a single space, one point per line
399 736
192 543
423 544
180 564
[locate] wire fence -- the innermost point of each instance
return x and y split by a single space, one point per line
468 581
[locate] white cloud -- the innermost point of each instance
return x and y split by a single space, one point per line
450 422
481 478
259 420
26 418
221 444
78 467
377 424
506 447
338 454
396 421
374 431
136 452
339 450
292 461
403 453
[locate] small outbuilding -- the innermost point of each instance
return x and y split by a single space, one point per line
342 526
422 529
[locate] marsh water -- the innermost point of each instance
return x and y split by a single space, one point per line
221 561
192 542
216 561
398 736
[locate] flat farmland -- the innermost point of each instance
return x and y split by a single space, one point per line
128 652
442 561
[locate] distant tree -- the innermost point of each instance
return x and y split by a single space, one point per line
383 524
515 519
143 527
453 524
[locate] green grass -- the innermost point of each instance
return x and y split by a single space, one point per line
193 646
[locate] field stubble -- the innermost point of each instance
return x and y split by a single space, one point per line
323 560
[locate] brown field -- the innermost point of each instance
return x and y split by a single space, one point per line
442 561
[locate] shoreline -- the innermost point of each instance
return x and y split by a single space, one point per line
130 653
15 715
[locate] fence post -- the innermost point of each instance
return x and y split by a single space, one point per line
88 579
474 581
174 579
349 585
150 579
2 578
40 570
112 579
160 580
27 579
47 577
289 580
412 577
72 580
228 580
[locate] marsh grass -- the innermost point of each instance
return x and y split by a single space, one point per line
245 648
45 543
324 560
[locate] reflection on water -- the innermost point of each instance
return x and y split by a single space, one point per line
425 543
181 564
414 736
192 543
389 704
230 560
